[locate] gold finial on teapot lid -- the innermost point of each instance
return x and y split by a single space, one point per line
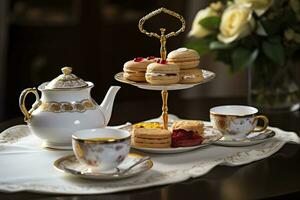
66 70
67 80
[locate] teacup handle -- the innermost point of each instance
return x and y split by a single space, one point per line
266 123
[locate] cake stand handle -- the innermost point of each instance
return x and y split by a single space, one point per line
165 117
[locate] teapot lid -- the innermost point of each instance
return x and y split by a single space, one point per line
67 80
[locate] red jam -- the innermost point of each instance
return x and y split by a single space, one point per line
183 138
150 57
138 59
160 61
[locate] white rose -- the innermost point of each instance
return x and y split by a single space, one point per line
259 6
197 30
236 22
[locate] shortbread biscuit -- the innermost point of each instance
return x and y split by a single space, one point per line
150 145
150 133
150 137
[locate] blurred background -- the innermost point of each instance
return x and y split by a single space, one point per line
95 37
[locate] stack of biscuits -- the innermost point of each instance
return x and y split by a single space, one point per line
180 67
188 61
150 135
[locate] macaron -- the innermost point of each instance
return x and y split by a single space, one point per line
194 75
162 73
135 69
184 58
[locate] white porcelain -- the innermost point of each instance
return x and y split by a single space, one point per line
207 76
101 155
60 112
236 121
249 140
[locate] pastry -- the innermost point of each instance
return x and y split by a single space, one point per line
184 58
135 69
162 73
150 135
186 133
194 75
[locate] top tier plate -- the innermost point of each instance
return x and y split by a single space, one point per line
208 76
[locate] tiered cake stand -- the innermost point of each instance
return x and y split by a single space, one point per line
208 75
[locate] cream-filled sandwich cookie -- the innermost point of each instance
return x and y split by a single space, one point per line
184 58
162 73
135 69
194 75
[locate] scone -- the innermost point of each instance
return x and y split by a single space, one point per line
184 58
150 135
135 69
194 75
186 133
162 73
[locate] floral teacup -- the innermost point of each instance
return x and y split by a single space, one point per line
101 149
235 121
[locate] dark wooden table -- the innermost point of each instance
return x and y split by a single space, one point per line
277 177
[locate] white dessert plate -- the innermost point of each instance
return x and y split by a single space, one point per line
251 139
208 76
70 165
210 136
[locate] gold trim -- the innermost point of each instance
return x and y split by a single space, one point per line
59 107
163 36
230 115
42 87
35 105
266 123
104 141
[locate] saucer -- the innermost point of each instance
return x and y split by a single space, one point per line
210 136
70 165
251 139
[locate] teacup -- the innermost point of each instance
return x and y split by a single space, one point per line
236 121
101 149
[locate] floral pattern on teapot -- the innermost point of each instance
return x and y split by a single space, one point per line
58 107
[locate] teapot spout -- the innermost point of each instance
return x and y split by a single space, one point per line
108 102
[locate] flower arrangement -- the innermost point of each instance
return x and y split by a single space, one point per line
241 31
261 34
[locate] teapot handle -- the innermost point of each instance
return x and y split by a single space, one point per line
35 105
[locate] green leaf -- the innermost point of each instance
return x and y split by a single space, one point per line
273 49
242 58
201 45
215 45
211 23
260 30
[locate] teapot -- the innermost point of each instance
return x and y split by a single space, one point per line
65 107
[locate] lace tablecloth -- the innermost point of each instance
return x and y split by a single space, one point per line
25 166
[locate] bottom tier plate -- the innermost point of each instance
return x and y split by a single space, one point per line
210 136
